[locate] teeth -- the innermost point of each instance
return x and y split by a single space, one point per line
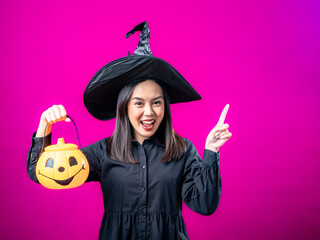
148 122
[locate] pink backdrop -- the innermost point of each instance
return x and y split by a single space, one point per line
261 57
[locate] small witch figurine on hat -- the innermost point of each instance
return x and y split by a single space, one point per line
145 168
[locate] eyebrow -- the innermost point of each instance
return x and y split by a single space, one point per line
137 98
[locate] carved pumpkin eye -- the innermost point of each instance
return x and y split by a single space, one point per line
72 161
49 163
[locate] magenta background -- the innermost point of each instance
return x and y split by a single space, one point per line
261 57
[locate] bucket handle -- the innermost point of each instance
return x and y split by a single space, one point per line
76 131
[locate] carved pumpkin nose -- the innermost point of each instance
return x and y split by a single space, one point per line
61 169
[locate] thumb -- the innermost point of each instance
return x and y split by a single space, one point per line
215 131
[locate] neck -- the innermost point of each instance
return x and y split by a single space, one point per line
139 139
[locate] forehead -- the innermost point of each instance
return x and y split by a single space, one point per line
147 89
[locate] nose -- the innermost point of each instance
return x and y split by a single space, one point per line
148 111
61 169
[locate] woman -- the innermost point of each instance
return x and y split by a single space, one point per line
145 168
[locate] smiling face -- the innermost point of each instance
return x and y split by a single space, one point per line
146 109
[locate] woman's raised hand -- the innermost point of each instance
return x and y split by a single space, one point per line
219 134
54 114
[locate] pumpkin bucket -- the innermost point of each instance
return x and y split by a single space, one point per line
62 166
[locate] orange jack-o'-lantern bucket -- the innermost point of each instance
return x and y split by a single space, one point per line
62 166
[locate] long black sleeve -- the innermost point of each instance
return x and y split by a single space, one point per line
202 182
34 154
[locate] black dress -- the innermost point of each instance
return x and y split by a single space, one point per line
144 200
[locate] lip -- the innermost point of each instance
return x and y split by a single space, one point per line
147 128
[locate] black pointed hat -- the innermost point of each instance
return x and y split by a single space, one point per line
101 94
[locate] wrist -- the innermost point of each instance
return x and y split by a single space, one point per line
212 149
42 127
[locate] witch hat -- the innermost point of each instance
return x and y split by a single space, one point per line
100 96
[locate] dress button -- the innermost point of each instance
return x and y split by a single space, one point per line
144 166
142 189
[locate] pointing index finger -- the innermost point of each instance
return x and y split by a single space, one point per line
223 115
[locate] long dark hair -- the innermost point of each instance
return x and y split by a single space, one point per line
119 145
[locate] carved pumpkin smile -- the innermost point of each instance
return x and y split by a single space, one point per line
63 182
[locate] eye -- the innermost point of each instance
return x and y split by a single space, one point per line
49 163
138 103
72 161
157 103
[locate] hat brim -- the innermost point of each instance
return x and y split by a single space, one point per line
101 94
